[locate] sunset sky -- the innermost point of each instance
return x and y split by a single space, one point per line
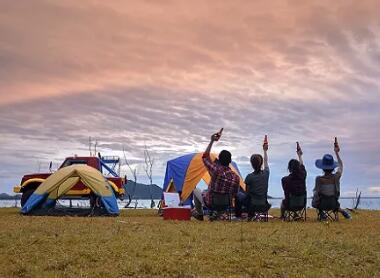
169 73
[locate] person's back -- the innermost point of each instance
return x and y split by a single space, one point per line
223 179
328 184
295 183
257 183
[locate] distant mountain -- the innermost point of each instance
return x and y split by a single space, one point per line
5 196
142 191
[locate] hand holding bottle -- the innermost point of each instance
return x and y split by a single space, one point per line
265 144
216 136
299 150
336 146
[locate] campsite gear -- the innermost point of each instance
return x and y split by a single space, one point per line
220 203
185 172
328 208
59 183
295 209
326 163
106 164
196 215
177 213
258 208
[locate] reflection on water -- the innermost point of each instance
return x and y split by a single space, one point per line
365 203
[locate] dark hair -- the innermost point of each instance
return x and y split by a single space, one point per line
294 167
328 171
256 162
225 158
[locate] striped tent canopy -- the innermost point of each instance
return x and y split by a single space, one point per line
184 173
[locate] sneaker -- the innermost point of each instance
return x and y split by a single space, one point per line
346 214
197 216
213 215
236 219
323 216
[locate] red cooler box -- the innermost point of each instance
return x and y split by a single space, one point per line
177 213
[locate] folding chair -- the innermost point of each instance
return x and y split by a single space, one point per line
220 203
258 209
328 208
296 209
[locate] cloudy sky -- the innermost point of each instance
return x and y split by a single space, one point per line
169 73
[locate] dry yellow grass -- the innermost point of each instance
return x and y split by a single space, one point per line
141 244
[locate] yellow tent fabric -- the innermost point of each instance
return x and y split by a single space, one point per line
64 179
198 171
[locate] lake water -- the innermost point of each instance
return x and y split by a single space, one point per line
365 203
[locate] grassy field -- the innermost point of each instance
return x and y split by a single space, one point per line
139 243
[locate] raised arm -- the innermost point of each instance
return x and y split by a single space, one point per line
340 162
206 156
299 153
208 149
265 148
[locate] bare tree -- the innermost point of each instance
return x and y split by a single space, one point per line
148 167
89 145
149 162
134 172
95 145
357 198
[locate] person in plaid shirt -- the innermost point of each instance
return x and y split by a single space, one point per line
223 179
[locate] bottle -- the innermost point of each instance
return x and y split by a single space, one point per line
298 147
265 144
219 134
336 145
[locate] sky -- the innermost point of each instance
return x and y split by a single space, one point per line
167 74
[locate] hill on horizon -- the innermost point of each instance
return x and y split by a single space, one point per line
141 191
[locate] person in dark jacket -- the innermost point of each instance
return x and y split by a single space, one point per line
256 182
295 182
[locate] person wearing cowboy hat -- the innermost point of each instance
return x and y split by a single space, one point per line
329 183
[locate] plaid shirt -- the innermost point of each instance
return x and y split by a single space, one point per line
223 179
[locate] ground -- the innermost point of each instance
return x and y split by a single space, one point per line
139 243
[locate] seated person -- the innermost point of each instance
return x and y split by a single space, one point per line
223 179
256 182
295 183
329 183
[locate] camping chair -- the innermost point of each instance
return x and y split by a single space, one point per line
258 208
220 203
328 208
296 208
